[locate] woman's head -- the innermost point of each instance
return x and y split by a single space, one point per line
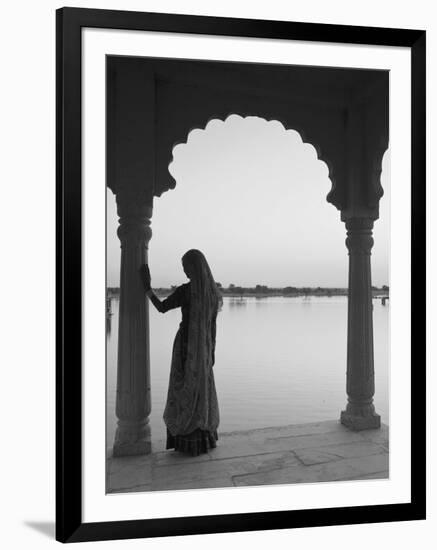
196 268
193 262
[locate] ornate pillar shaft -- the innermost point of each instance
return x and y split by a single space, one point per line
133 403
360 411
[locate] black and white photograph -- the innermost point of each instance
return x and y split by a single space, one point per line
218 274
247 274
241 276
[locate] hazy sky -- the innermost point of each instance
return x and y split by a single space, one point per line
252 197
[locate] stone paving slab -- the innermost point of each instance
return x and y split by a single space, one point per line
347 469
316 452
330 453
129 472
312 441
179 476
171 458
377 475
202 483
309 428
379 437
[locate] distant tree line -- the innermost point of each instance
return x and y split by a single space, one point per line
234 290
113 290
264 290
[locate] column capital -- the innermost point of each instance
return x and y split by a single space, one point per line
134 203
135 211
359 235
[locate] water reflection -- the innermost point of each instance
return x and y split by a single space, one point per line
237 301
282 363
108 325
108 313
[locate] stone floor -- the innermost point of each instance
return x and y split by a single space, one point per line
302 453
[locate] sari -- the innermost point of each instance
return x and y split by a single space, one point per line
191 413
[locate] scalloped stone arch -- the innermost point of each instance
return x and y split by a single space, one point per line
299 128
224 119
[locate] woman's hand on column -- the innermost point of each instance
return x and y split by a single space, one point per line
145 277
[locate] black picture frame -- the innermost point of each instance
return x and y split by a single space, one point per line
69 525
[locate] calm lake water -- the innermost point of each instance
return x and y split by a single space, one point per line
278 361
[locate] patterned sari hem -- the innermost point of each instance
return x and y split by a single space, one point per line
195 443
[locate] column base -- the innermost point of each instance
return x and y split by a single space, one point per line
132 438
357 422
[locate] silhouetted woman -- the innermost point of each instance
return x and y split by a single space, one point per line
191 413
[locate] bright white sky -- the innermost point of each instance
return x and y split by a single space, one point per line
252 197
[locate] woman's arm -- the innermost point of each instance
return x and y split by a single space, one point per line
156 301
171 302
146 279
147 282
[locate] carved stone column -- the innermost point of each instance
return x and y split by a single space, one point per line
360 411
133 403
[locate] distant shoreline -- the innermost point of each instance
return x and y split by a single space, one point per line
263 292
